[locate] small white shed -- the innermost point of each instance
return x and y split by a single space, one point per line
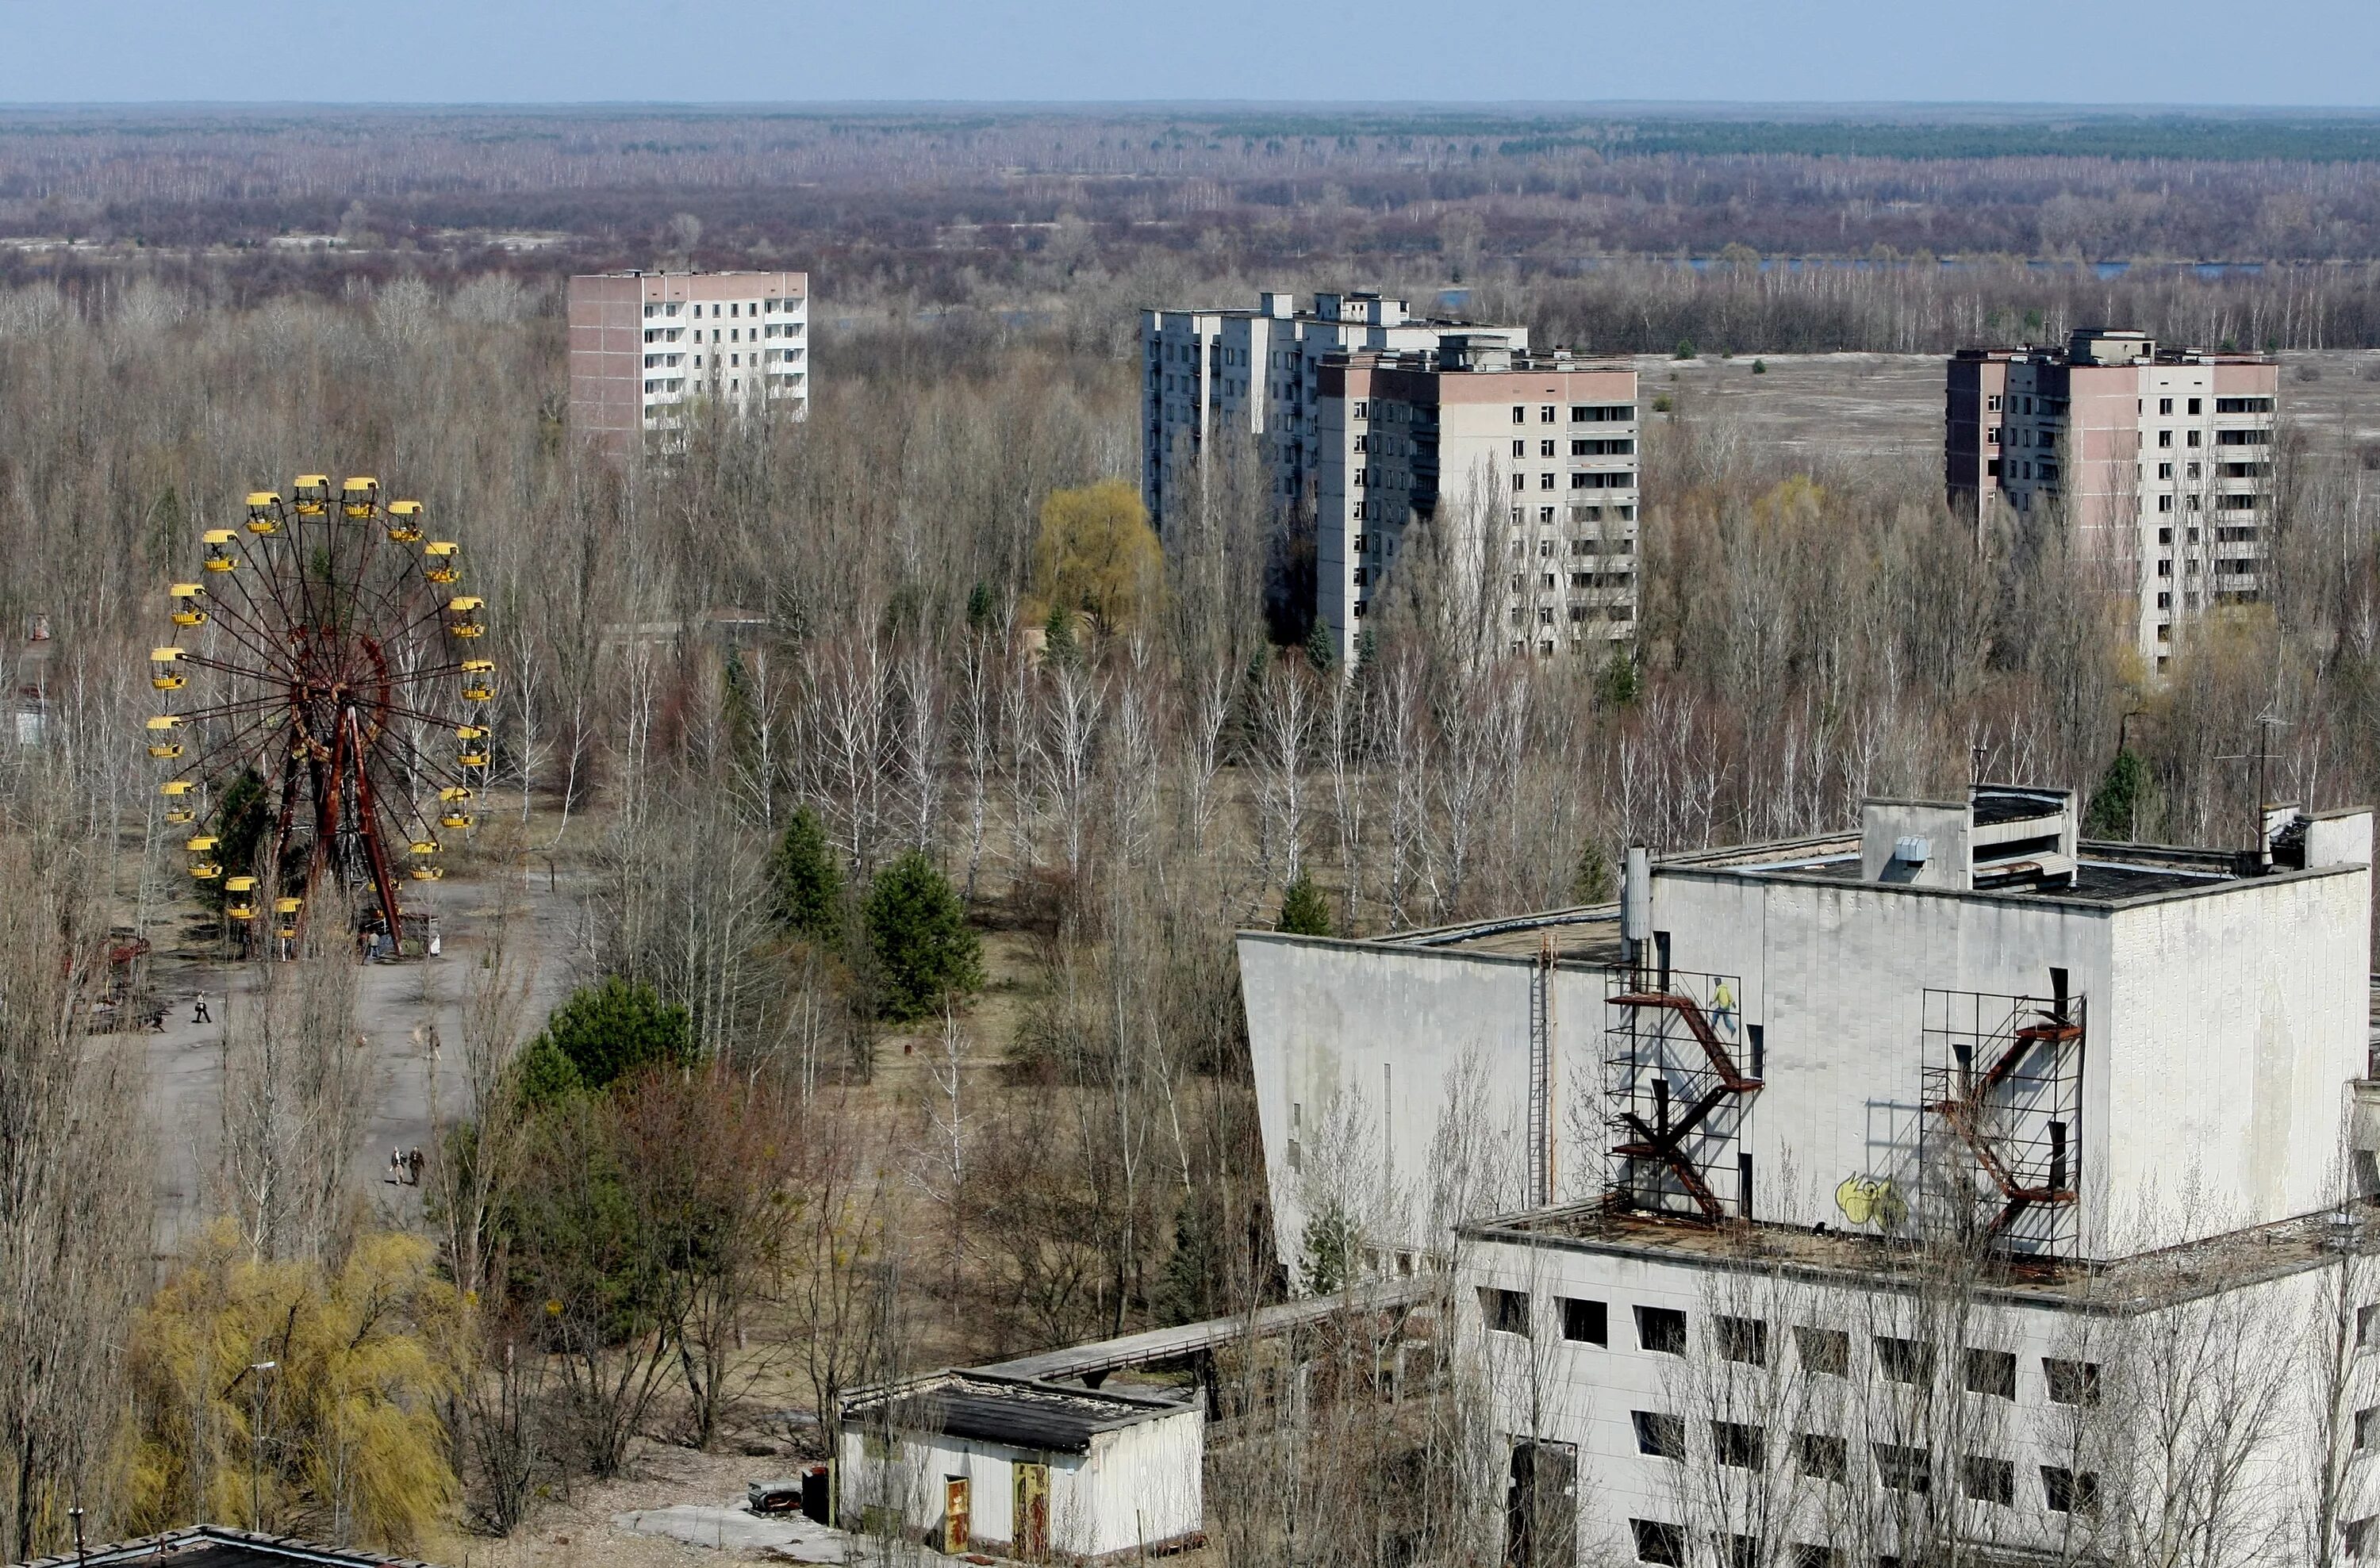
1037 1470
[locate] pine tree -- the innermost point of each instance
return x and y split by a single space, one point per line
2116 804
1304 911
917 934
807 878
605 1032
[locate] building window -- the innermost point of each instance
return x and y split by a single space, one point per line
1741 1339
1824 1350
1658 1542
1506 1311
1992 404
1824 1456
1903 1468
2164 437
2193 406
1546 414
1545 449
2367 1429
2164 470
2190 438
2072 1383
1991 1372
2165 406
1739 1446
1989 1481
2165 503
1904 1360
2367 1327
2067 1492
2356 1536
1661 1329
1520 416
2165 601
1520 482
1584 1321
1545 481
1662 1437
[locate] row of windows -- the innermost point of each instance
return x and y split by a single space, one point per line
1583 479
1580 412
1518 546
1620 577
1625 513
1578 612
1615 447
1822 1351
735 309
1826 1458
1985 1480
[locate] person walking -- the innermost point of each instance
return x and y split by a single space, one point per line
199 1013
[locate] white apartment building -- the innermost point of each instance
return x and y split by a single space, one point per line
1209 372
2160 459
643 345
1523 465
1690 1144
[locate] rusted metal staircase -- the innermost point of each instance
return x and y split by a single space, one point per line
2007 1091
1720 1090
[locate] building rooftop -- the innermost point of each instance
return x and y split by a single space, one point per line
1019 1412
1825 1255
214 1546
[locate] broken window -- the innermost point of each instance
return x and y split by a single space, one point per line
1662 1329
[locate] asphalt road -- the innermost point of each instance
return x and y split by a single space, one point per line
402 1008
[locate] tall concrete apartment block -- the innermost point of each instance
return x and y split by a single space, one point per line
1523 465
1435 439
643 345
2161 460
1207 372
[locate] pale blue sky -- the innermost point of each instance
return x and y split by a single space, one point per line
2183 51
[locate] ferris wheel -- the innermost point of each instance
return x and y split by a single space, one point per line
323 706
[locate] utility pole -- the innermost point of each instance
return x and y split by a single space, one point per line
255 1436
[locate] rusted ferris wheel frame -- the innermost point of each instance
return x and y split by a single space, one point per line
319 648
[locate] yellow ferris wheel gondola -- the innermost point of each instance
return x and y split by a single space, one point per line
403 522
263 511
221 557
479 680
455 799
439 561
466 616
185 598
474 750
358 496
204 865
162 676
313 493
425 866
163 727
239 896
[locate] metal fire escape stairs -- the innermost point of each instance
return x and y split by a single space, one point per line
1721 1090
2007 1093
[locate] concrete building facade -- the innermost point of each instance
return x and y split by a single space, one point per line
1707 1149
644 345
2158 459
1522 466
1210 374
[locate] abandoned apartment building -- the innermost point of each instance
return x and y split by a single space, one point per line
1679 1152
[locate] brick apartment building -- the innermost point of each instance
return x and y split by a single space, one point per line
2160 459
1526 463
643 345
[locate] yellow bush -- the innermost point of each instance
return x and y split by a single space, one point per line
341 1438
1097 553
